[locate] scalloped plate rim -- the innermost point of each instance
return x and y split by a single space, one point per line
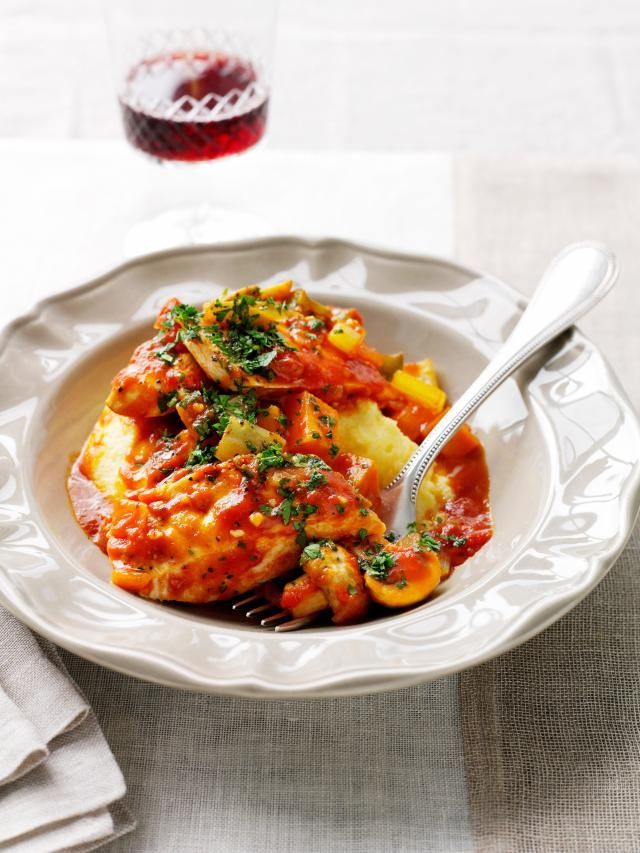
535 619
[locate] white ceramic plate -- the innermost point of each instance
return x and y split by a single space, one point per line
561 442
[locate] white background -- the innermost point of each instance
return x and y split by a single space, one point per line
498 77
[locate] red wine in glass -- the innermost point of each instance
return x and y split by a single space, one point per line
193 106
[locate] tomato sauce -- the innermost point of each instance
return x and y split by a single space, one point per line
326 369
466 523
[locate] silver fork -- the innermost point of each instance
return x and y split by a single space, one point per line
575 281
255 605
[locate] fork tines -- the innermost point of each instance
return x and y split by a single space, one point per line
280 620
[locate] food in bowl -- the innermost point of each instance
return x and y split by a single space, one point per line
245 447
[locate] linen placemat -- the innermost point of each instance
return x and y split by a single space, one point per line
368 774
552 729
59 782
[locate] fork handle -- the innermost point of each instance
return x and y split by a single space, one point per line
574 282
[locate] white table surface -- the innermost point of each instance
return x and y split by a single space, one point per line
66 208
497 77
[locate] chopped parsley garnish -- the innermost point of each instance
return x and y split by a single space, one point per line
244 407
362 534
434 541
426 540
313 551
301 538
203 427
286 508
271 457
316 480
334 450
219 409
304 460
283 488
185 316
167 401
166 353
327 419
238 334
201 456
379 565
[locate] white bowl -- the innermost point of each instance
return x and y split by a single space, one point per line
561 441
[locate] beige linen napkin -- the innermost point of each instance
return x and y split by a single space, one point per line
552 729
59 781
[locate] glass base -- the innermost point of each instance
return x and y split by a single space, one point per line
192 226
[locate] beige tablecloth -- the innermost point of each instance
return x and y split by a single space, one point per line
60 787
552 729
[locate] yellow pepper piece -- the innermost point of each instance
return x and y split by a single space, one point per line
430 396
425 371
267 315
277 291
264 313
346 337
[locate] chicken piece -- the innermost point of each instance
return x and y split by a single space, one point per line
303 597
122 453
217 530
248 340
156 455
150 386
96 478
111 442
335 572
